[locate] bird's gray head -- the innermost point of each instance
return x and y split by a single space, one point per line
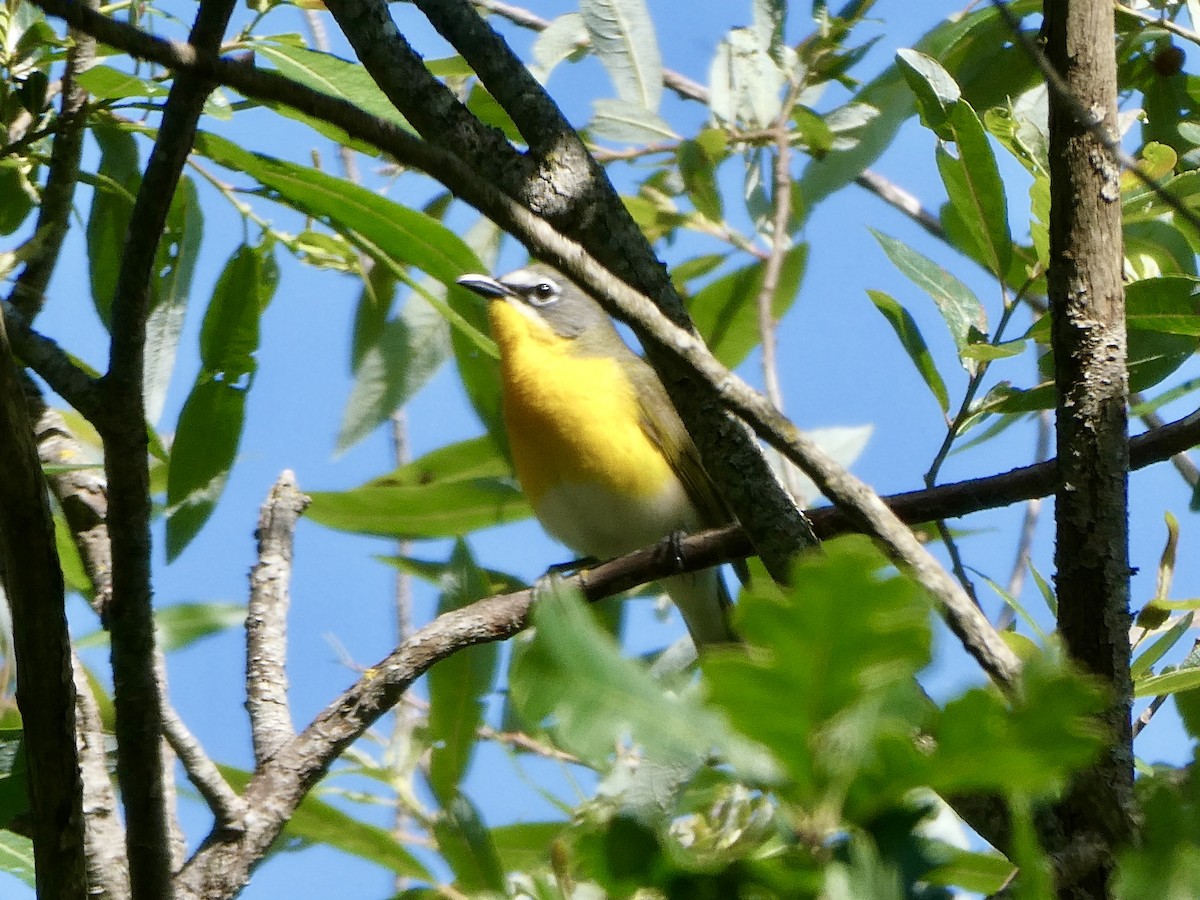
541 291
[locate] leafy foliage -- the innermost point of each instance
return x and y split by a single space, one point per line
809 761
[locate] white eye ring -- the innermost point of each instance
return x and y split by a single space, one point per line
543 292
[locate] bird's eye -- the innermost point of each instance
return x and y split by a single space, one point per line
543 292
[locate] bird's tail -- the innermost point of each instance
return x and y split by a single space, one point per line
704 602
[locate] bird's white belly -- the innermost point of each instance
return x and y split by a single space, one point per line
596 522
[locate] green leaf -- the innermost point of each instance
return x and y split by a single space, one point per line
622 34
174 265
395 363
116 187
829 684
107 83
698 170
745 83
328 74
75 577
440 509
14 776
936 90
210 424
317 822
473 458
409 236
976 191
526 846
1027 745
1168 683
1147 658
628 123
488 110
183 624
458 684
978 873
16 856
725 311
15 200
574 673
229 335
566 37
959 306
913 343
467 846
1170 304
1165 861
206 440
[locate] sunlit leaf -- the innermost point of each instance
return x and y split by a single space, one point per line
960 308
623 37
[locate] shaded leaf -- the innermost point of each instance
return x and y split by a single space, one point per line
725 311
396 363
467 846
210 424
458 684
574 674
118 177
913 343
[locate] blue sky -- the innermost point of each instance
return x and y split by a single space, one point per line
840 366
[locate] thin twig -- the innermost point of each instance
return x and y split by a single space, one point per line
1157 21
266 623
1029 523
1181 461
28 293
781 190
1148 713
202 772
895 196
405 719
965 410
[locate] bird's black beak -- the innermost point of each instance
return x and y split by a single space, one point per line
484 286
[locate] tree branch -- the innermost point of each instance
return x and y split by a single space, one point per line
562 184
45 690
107 864
266 622
137 696
226 859
55 366
1087 309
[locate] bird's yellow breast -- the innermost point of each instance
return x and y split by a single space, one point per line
571 420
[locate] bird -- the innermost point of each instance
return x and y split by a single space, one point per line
596 443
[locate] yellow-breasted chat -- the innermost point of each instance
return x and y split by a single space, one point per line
597 445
